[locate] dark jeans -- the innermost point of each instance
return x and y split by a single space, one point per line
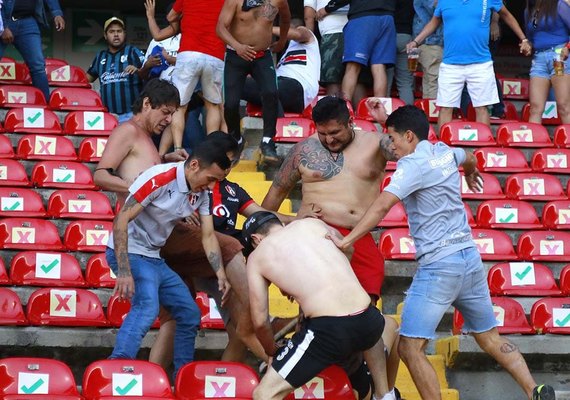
291 95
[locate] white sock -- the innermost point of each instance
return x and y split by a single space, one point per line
265 139
388 396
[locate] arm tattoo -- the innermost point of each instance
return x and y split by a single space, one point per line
129 204
386 147
288 175
215 261
121 242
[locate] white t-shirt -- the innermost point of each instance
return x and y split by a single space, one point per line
332 23
171 46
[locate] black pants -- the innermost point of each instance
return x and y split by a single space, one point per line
291 95
262 71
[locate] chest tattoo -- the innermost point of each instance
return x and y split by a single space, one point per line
267 10
316 158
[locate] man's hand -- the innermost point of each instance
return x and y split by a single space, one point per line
59 23
495 31
525 48
153 61
279 45
124 287
131 69
223 285
376 109
176 156
149 7
474 181
246 52
410 46
7 36
321 13
313 212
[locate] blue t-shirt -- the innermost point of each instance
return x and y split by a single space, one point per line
428 183
466 25
547 32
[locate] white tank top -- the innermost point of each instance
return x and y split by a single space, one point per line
302 62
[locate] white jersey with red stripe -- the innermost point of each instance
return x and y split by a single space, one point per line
164 193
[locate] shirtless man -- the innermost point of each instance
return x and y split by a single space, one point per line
246 28
334 327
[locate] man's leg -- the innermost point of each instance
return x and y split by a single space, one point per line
404 77
450 86
235 73
163 346
412 352
211 81
380 80
430 59
350 79
482 87
482 115
272 387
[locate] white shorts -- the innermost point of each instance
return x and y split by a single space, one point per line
191 67
480 80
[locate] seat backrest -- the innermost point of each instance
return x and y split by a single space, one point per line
544 246
390 104
493 244
527 134
35 268
29 234
562 136
364 125
534 186
67 75
430 109
332 383
551 160
522 279
556 214
65 307
511 114
515 88
4 278
461 133
21 96
12 313
14 73
30 377
210 316
89 123
62 174
125 378
71 99
81 204
91 149
117 310
551 315
292 130
32 120
505 159
491 188
397 243
98 273
12 173
43 147
6 148
549 115
215 380
21 202
55 61
565 280
87 235
507 214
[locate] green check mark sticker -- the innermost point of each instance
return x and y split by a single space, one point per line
49 267
32 388
14 206
472 136
564 321
523 273
126 389
64 179
34 117
507 219
548 110
93 122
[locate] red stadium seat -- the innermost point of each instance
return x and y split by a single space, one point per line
87 235
534 186
331 383
118 309
14 73
429 108
397 244
67 75
98 273
556 214
82 204
215 380
491 188
515 89
32 120
549 116
493 159
6 148
509 314
544 246
4 279
396 217
390 103
51 61
522 279
43 147
292 130
364 125
12 173
386 180
20 202
551 315
89 123
511 114
12 314
34 268
36 379
493 245
29 234
211 318
460 133
507 214
565 280
308 111
21 96
469 213
136 379
91 149
551 160
65 307
252 110
562 136
523 134
75 99
62 174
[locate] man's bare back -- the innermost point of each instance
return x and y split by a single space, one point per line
316 273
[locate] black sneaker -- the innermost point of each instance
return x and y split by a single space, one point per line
543 392
269 153
397 393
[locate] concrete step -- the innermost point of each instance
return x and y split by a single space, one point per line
408 389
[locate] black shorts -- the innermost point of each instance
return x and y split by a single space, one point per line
325 341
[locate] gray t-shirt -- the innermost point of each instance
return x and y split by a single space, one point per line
428 183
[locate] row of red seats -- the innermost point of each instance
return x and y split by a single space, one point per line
62 99
47 174
108 379
493 245
548 315
65 75
48 147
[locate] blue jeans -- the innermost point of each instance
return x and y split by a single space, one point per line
156 284
28 41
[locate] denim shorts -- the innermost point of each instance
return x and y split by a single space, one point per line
459 280
543 63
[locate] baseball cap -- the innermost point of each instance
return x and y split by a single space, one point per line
253 223
110 21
